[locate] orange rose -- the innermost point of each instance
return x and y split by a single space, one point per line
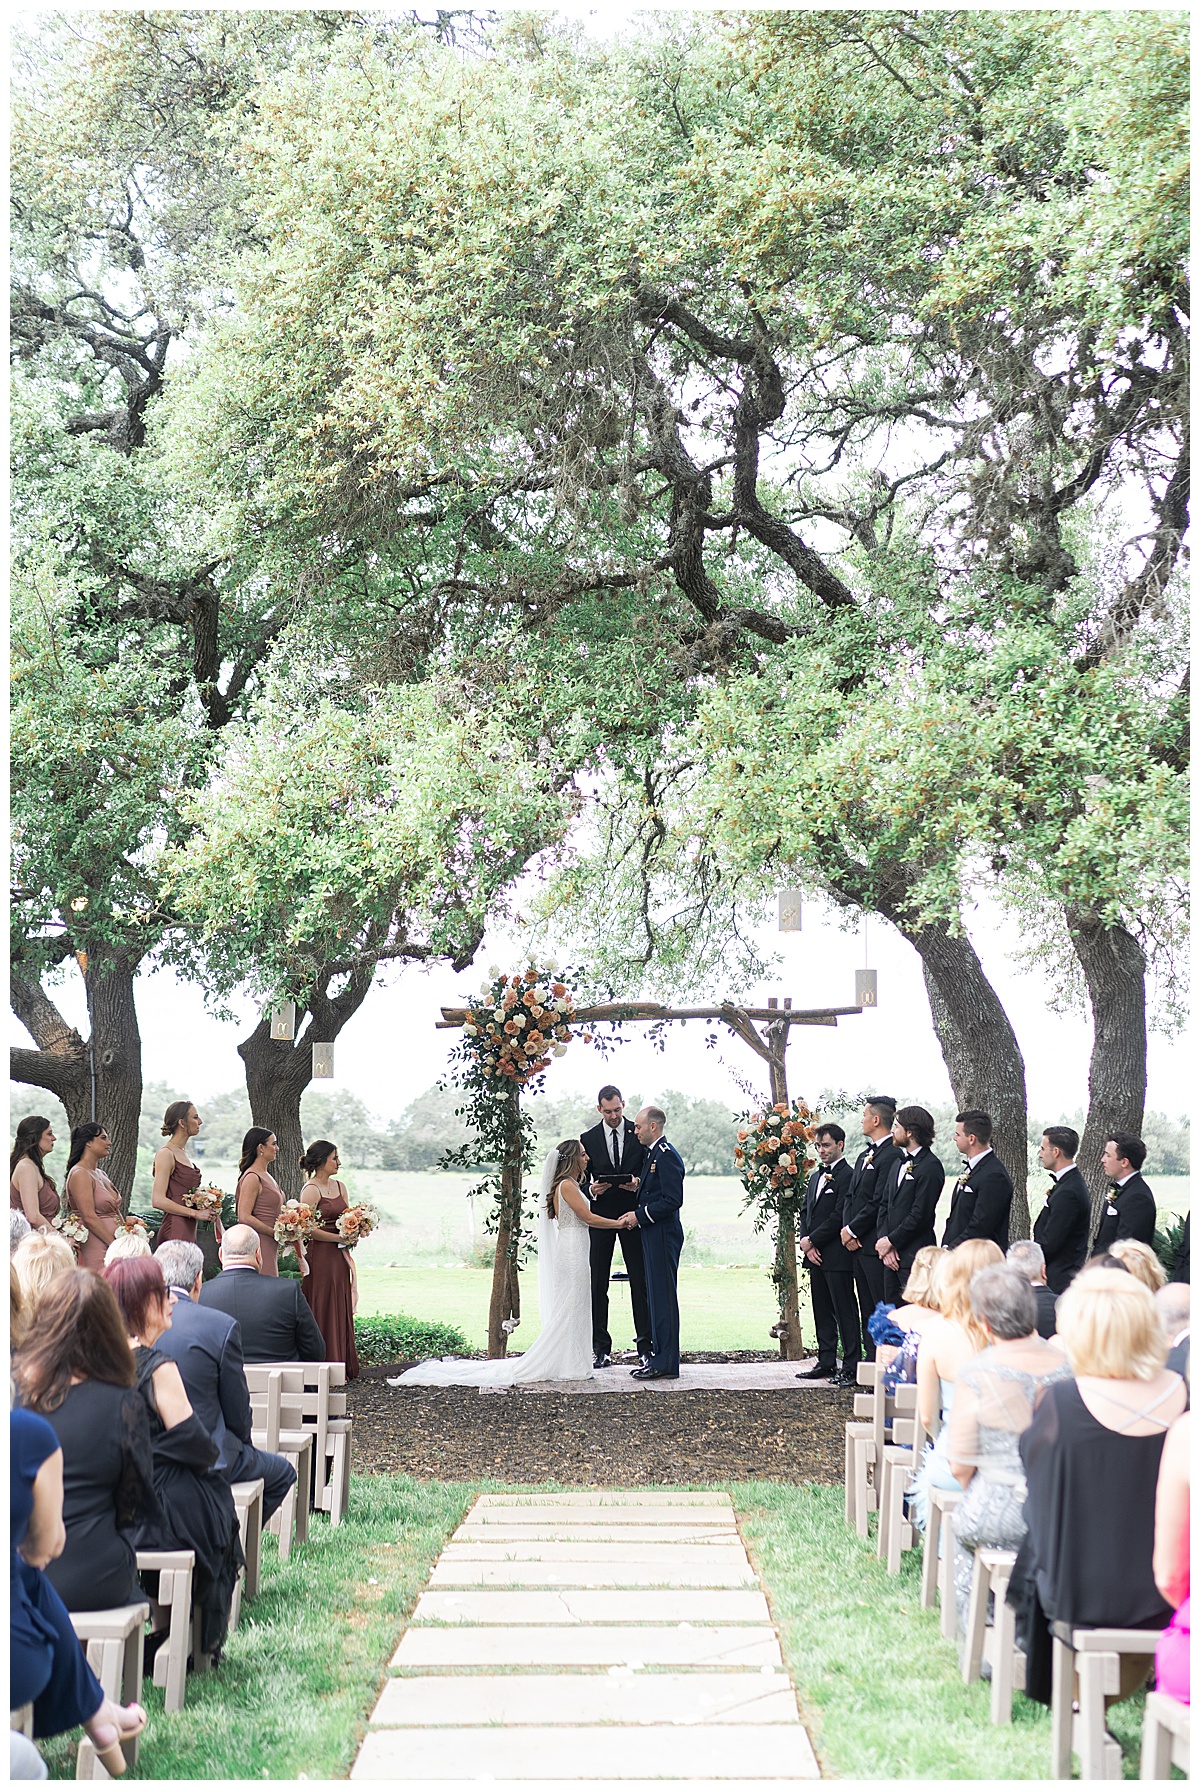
511 1028
560 989
531 975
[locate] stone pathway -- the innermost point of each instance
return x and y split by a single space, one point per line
583 1638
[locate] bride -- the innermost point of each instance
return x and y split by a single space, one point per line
563 1351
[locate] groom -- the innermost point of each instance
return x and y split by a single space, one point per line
614 1164
660 1197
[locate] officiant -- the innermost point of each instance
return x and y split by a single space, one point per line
615 1160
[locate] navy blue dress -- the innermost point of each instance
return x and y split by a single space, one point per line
47 1666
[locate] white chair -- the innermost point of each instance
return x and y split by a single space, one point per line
991 1572
1166 1736
1093 1657
175 1568
113 1641
864 1448
901 1458
313 1395
248 1503
937 1562
269 1414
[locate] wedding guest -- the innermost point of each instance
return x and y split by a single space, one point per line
1174 1302
17 1317
945 1349
76 1369
30 1189
126 1247
207 1348
90 1193
1129 1210
982 1197
1091 1453
1027 1258
898 1329
1065 1221
330 1285
273 1315
860 1212
195 1504
1173 1559
259 1195
994 1399
18 1227
831 1270
40 1259
175 1174
909 1201
614 1158
1141 1262
47 1665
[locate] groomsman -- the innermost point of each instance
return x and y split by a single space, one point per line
831 1271
860 1208
909 1200
659 1200
983 1195
1129 1210
614 1166
1064 1221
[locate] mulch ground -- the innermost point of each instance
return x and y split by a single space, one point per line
451 1432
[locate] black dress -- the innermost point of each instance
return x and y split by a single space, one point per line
108 1488
195 1507
1087 1557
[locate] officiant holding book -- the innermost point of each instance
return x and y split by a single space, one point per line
615 1159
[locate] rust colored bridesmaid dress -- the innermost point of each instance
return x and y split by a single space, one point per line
267 1205
185 1178
327 1288
107 1202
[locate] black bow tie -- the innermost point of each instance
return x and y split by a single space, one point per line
1114 1187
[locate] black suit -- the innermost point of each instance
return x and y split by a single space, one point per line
1129 1212
981 1204
1047 1322
660 1199
832 1281
273 1315
1061 1229
207 1348
860 1212
613 1204
906 1212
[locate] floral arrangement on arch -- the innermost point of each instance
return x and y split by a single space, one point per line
517 1023
773 1154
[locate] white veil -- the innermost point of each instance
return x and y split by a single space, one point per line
547 1236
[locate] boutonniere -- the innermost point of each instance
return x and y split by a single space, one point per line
906 1170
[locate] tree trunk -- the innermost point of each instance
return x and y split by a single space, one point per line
1114 969
784 1274
278 1072
506 1289
979 1046
100 1077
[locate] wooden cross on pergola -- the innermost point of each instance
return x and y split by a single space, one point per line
770 1043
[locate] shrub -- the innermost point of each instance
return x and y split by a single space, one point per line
393 1337
1167 1244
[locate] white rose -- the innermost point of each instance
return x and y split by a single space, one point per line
560 1006
785 1162
497 1012
473 1030
485 988
493 970
560 1050
519 1020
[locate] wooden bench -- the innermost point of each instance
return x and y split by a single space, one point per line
113 1641
1166 1736
1093 1656
276 1428
175 1569
248 1503
998 1645
937 1562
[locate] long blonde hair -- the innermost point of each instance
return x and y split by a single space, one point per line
569 1152
952 1284
918 1288
1110 1326
1141 1262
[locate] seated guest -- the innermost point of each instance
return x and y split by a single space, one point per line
897 1329
47 1665
1141 1262
196 1504
1174 1302
17 1319
1129 1210
76 1370
1173 1559
126 1247
38 1259
994 1399
1027 1258
1091 1454
946 1347
18 1227
273 1315
1065 1221
206 1345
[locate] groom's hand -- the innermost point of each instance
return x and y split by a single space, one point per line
631 1187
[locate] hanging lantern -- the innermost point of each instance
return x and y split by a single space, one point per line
866 988
283 1023
322 1066
789 910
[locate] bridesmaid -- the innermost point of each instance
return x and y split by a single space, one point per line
90 1193
331 1287
259 1195
30 1189
176 1174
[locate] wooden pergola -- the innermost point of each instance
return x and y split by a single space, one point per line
776 1021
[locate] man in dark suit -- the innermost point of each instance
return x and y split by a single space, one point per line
615 1160
830 1267
274 1317
659 1202
909 1200
207 1348
860 1208
1129 1210
982 1197
1063 1224
1026 1257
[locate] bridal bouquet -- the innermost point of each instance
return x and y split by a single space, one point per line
772 1154
205 1202
131 1226
70 1226
294 1223
355 1223
518 1022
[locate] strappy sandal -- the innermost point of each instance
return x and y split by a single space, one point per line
109 1751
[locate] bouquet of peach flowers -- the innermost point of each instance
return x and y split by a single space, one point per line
294 1223
355 1223
130 1225
205 1202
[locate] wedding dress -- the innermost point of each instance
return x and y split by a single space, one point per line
563 1351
